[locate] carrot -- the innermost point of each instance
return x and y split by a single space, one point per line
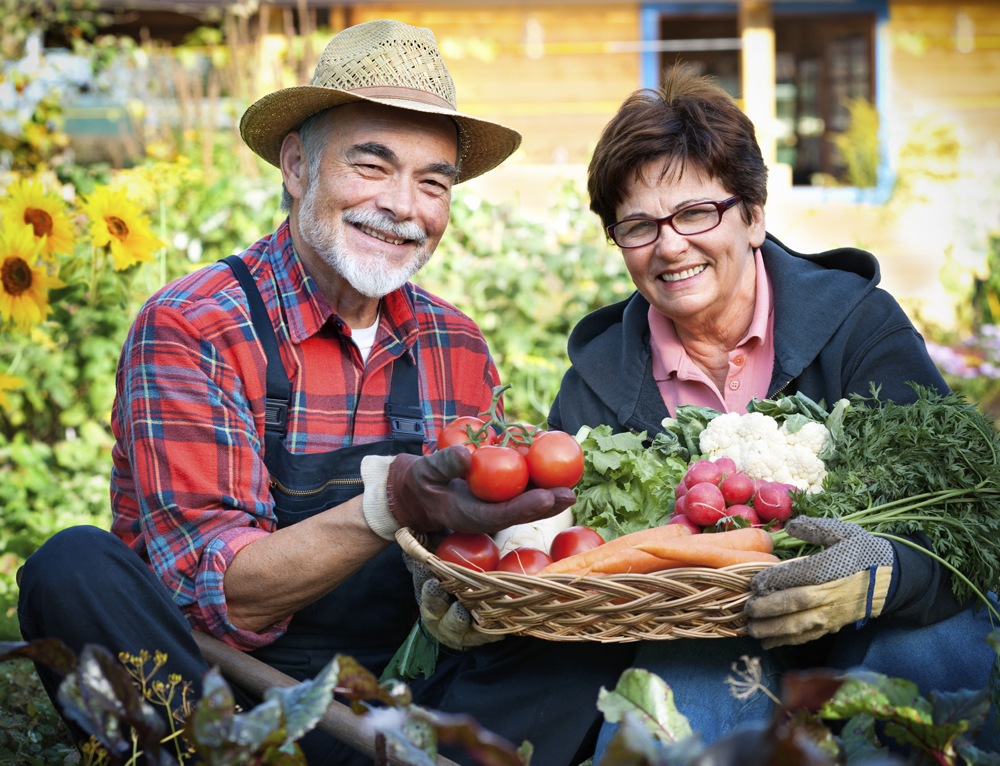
703 555
638 559
582 561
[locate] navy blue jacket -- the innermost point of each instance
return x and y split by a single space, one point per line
835 333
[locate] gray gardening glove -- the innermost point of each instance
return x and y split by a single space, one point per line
798 601
443 615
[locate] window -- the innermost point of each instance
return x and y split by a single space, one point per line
821 59
820 62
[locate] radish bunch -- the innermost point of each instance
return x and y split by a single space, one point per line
714 492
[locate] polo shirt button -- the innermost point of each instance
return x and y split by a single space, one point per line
738 361
734 385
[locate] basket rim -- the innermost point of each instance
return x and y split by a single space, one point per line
414 545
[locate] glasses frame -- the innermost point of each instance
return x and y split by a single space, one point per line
722 207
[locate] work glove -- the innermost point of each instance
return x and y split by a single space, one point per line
801 600
426 493
443 615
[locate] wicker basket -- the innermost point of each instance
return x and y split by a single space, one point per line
693 602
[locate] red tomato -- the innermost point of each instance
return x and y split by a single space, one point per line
555 460
519 432
497 474
472 551
572 541
457 432
524 561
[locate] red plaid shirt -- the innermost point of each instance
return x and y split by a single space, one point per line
189 487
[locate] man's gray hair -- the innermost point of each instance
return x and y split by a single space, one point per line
314 134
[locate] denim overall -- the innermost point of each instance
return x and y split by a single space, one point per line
370 614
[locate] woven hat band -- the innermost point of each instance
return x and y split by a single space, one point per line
403 94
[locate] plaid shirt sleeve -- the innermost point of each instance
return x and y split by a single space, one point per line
189 486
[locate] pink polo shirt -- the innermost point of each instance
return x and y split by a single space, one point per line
681 381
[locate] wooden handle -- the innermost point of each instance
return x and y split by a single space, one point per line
256 677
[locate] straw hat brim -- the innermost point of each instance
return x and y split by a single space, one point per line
267 121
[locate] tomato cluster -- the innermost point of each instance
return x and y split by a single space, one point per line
503 465
479 552
713 494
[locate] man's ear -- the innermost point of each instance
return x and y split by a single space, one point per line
294 167
758 231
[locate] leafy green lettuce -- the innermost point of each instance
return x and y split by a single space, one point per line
628 482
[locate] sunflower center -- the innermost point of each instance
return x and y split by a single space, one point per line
15 275
39 220
116 226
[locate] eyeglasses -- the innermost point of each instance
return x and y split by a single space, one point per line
693 219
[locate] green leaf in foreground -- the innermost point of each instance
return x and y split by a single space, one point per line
650 699
416 655
932 725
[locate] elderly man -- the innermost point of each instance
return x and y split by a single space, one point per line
273 411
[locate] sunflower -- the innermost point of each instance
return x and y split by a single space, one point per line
117 222
24 284
8 383
44 213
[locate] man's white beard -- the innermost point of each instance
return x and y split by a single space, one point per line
369 272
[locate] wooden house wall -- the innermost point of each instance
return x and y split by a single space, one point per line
558 88
945 70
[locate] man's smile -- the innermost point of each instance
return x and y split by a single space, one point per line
380 235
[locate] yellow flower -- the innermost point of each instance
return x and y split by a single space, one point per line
44 213
8 383
24 285
117 222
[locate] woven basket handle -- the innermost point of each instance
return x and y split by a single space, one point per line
411 545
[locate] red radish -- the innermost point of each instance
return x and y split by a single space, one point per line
746 512
737 488
679 505
680 490
703 504
772 502
727 464
703 471
684 521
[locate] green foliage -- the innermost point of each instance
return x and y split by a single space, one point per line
526 283
114 704
931 467
859 144
31 732
938 728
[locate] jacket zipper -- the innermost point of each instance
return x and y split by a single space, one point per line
771 397
275 484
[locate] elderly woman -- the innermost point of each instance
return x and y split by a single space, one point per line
722 313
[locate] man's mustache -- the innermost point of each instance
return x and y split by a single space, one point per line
382 223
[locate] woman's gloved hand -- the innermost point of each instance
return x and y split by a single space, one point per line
441 613
426 493
798 601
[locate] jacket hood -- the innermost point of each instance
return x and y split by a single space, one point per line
813 295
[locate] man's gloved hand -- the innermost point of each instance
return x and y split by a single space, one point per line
443 616
798 601
427 493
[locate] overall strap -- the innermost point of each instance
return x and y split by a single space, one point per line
278 387
406 416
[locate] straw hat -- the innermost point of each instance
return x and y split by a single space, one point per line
385 62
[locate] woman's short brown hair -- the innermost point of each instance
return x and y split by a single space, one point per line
690 121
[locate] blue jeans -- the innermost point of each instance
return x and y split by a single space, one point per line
946 656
